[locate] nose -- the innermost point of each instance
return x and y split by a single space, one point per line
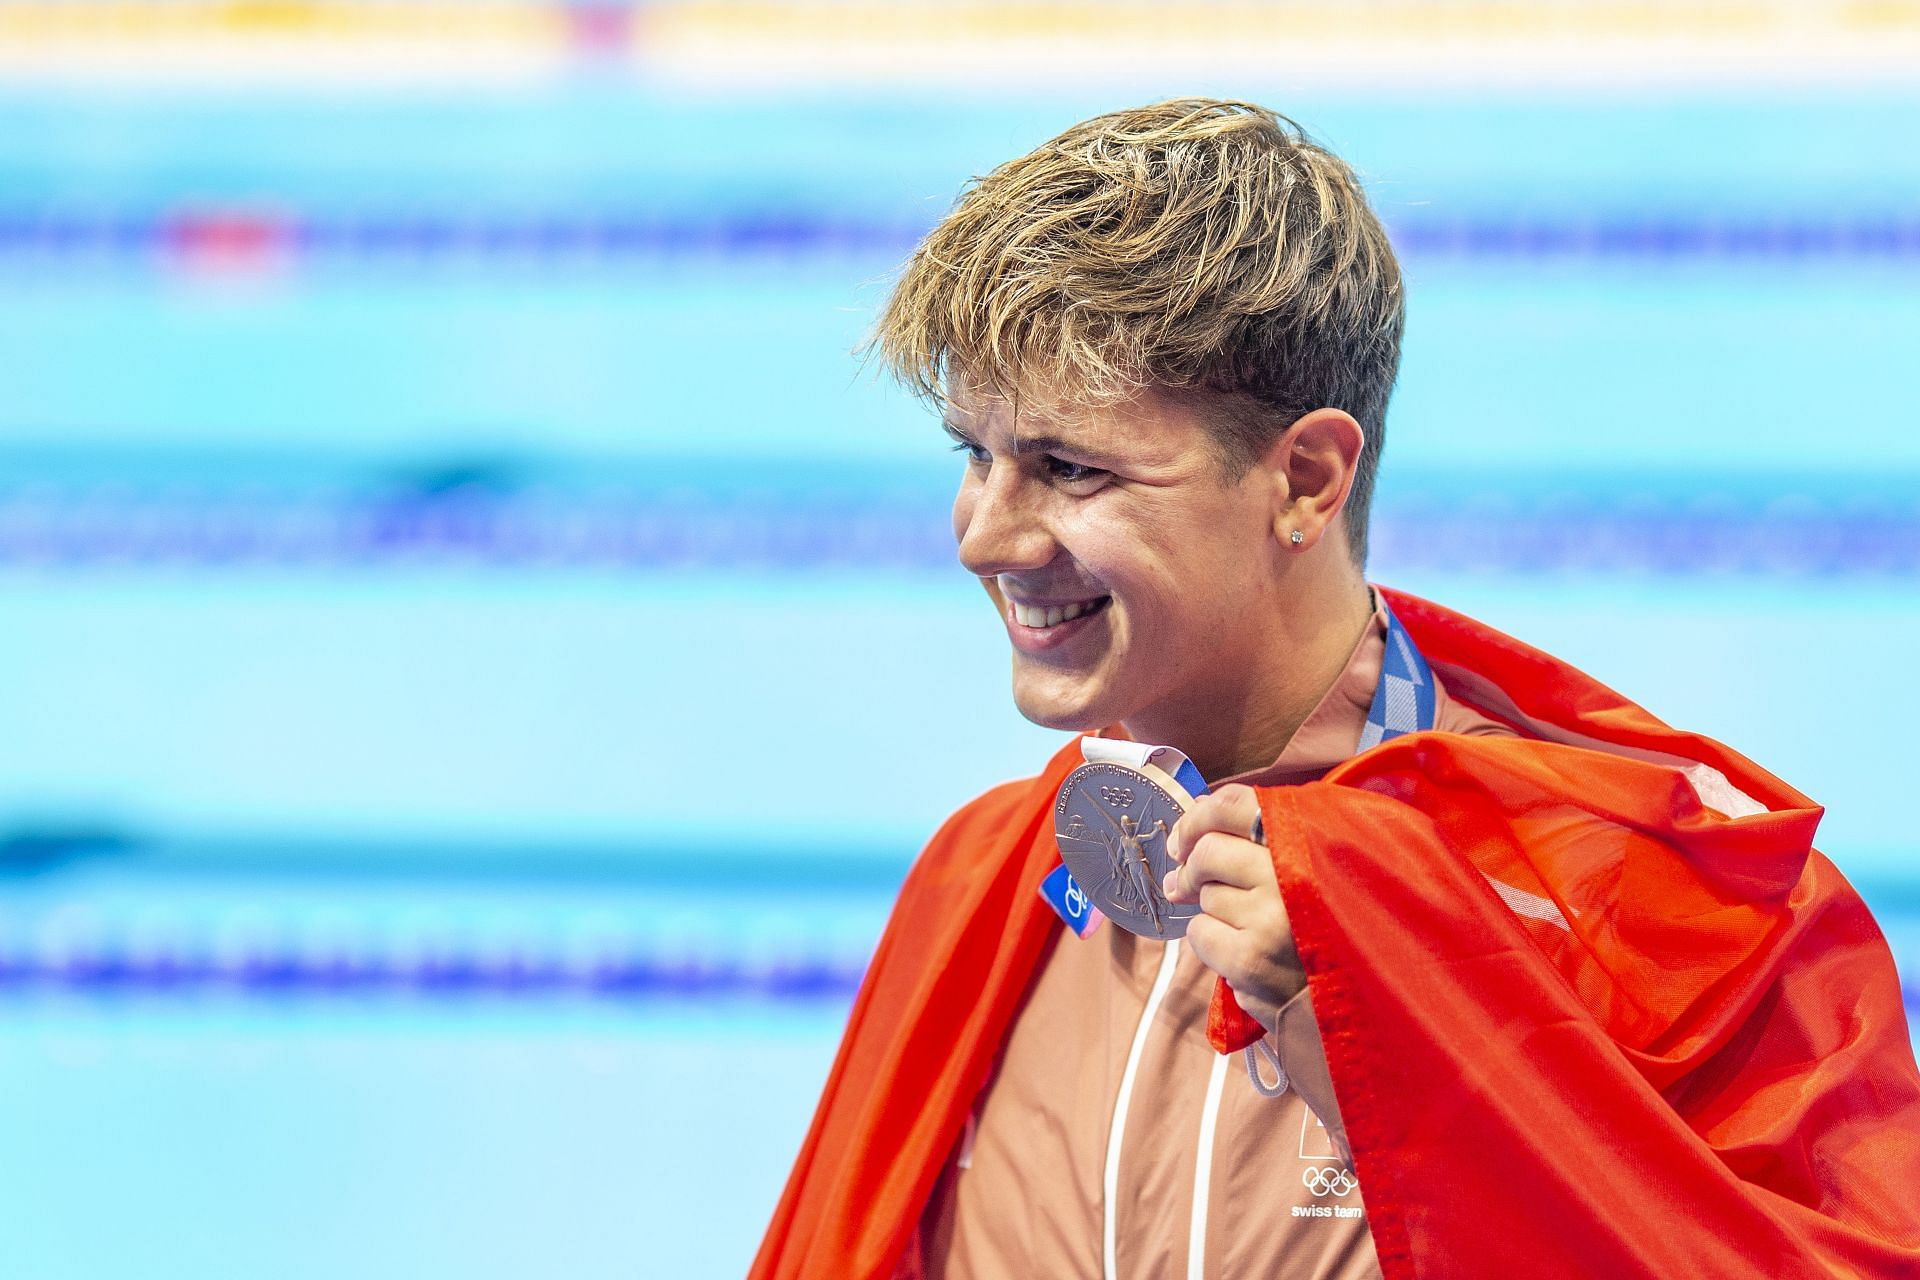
998 525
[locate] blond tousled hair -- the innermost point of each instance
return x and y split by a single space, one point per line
1193 245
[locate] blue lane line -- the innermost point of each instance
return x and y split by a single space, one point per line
1657 237
280 976
637 979
55 238
885 536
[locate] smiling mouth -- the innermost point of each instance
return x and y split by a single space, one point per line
1040 617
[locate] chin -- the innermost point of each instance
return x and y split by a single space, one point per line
1072 710
1066 722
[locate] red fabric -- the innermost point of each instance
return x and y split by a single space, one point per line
1701 1069
1229 1027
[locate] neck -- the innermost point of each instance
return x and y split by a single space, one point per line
1244 720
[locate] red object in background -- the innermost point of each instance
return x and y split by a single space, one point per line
1580 1019
601 29
229 242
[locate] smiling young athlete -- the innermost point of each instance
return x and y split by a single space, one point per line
1523 981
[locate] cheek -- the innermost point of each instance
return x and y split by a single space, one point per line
1180 599
1139 574
1104 554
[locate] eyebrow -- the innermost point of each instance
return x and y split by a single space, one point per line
1037 444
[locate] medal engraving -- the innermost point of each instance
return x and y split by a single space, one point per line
1111 823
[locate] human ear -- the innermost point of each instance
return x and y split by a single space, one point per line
1313 463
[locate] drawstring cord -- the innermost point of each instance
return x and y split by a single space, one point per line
1260 1086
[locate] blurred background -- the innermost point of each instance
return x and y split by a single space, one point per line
477 656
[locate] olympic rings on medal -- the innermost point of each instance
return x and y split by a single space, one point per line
1331 1180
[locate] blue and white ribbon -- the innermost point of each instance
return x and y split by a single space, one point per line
1403 701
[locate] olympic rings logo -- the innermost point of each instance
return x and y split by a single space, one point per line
1331 1180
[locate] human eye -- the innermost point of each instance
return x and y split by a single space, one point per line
976 455
1075 474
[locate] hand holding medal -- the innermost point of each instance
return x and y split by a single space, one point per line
1163 863
1242 933
1165 858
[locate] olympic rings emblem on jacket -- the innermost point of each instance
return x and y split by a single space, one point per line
1331 1180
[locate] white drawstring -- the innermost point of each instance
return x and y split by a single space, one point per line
1117 1127
1203 1168
1209 1119
1265 1090
966 1141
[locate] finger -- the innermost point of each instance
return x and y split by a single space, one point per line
1215 858
1215 862
1224 950
1209 813
1219 858
1229 905
1258 912
1214 941
1231 809
1231 953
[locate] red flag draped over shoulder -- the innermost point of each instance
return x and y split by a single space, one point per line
1591 1003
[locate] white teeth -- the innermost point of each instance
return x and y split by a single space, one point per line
1033 615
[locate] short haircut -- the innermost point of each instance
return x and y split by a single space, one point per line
1193 245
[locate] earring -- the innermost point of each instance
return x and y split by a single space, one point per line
1296 537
